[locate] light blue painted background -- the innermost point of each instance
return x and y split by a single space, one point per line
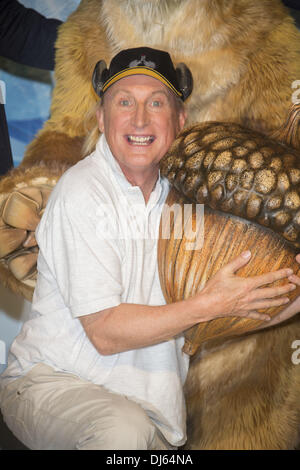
28 97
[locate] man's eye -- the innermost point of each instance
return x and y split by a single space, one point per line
156 103
124 102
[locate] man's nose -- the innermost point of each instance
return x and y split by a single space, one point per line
141 116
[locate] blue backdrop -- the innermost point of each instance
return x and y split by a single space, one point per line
28 90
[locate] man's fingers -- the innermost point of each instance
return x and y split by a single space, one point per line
237 263
269 303
268 278
295 279
258 316
288 312
270 292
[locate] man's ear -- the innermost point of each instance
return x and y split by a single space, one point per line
182 119
100 118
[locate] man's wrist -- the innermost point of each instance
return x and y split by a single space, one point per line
198 308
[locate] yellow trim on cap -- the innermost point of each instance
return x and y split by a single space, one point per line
142 71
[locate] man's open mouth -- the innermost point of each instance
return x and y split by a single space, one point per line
140 139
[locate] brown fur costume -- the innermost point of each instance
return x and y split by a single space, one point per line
244 56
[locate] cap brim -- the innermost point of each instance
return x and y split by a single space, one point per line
140 71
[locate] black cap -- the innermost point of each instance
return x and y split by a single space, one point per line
145 61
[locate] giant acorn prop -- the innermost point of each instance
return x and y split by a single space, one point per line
250 186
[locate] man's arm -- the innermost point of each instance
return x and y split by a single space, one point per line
131 326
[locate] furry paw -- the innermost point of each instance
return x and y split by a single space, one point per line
21 213
23 198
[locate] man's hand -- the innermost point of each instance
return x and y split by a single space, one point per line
227 294
292 309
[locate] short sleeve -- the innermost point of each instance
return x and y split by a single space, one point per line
85 266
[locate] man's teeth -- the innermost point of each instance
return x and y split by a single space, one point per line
139 139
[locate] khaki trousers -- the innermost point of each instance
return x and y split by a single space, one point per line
55 410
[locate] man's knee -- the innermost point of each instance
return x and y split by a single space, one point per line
131 418
125 427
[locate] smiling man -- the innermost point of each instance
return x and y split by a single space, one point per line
100 365
140 121
140 115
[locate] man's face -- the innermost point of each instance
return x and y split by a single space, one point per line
140 120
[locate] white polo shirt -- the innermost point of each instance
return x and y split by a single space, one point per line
98 248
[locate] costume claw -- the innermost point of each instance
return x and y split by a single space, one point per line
23 266
30 241
34 194
20 211
45 195
10 239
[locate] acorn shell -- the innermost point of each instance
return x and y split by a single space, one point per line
249 185
238 171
